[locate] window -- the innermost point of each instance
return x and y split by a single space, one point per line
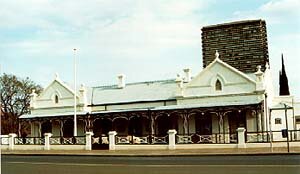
56 99
218 85
298 120
277 120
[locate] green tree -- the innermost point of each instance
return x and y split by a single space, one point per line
15 101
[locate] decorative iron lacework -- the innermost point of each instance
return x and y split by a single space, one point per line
132 140
4 140
100 140
200 139
55 140
29 140
160 140
79 140
67 140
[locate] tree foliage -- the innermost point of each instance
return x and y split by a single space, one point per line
15 100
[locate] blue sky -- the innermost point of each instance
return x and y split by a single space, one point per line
145 40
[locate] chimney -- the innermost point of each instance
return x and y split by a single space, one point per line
179 86
33 96
82 92
259 79
83 97
121 81
187 75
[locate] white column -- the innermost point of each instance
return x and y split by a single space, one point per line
172 139
47 141
11 141
88 140
112 144
241 137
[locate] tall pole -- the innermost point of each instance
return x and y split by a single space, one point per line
270 131
287 128
75 99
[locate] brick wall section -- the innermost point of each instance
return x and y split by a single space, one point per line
241 44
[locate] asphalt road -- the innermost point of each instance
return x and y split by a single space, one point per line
273 164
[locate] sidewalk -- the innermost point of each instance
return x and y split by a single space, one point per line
196 152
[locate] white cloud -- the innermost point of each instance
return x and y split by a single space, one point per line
112 36
275 12
282 7
130 28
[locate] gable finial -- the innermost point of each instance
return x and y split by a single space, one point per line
267 65
217 54
259 68
56 76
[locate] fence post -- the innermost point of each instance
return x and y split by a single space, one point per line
172 138
47 141
112 144
11 141
88 140
241 137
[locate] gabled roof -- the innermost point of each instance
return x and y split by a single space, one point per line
59 82
135 92
224 64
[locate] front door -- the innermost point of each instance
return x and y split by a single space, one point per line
101 127
236 120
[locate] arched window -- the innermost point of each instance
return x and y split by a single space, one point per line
56 99
218 85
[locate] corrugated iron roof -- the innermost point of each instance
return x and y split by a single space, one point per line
133 92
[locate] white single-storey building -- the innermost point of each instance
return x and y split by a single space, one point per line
207 108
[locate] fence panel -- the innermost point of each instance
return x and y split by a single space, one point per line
294 135
4 140
145 139
275 136
29 140
206 139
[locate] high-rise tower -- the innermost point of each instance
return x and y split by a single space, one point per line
241 44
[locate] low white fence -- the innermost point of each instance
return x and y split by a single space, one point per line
170 141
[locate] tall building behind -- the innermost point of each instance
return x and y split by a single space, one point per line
241 44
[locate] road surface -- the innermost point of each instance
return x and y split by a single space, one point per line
275 164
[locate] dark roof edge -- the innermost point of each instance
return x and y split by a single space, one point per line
133 102
232 23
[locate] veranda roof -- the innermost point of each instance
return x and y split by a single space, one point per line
170 107
207 105
51 115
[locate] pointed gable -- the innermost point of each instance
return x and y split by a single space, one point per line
56 87
219 78
57 94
